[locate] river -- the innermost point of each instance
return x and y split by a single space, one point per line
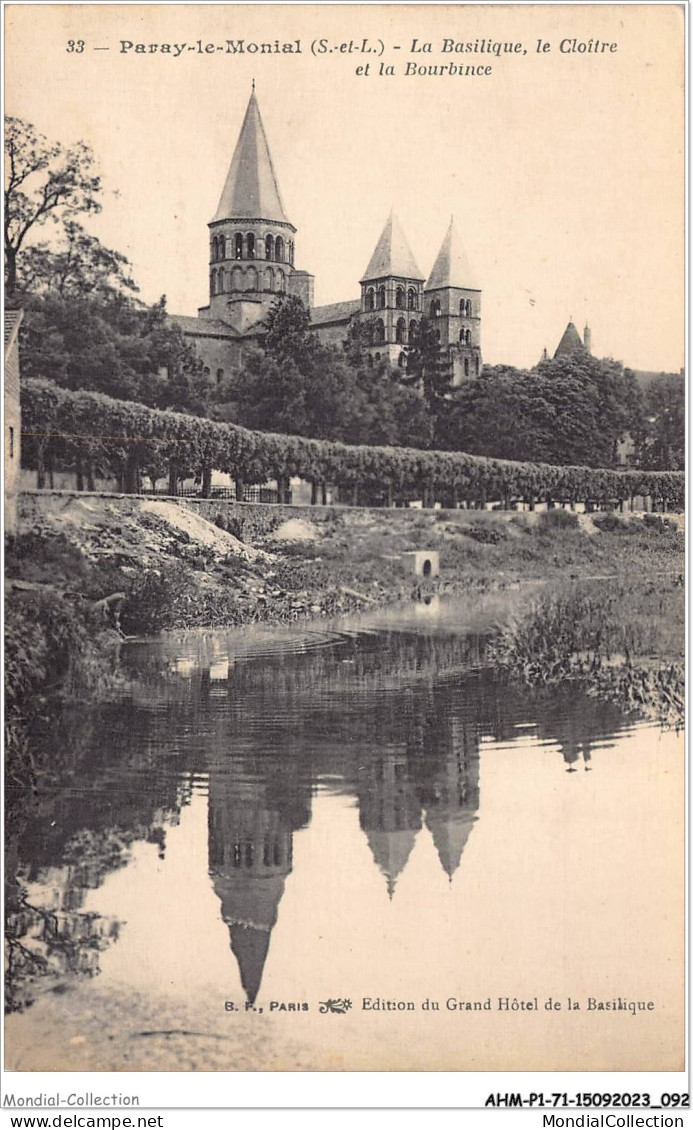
346 846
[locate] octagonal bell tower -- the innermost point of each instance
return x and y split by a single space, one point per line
251 240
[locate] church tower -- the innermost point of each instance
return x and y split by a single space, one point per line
251 239
391 293
453 302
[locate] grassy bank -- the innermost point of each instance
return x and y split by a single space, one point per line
83 571
621 641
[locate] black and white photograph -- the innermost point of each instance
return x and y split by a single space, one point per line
344 484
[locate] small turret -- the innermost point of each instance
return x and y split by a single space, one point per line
587 338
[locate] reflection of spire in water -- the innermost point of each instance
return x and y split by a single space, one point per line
391 850
452 797
250 855
250 946
390 813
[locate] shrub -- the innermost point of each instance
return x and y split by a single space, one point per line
657 524
487 533
610 523
550 520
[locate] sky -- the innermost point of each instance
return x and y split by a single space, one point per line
563 169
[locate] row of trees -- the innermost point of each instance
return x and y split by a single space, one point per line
96 435
85 328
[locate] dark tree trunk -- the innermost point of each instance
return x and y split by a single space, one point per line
206 481
40 465
79 472
313 493
173 479
324 493
240 490
131 476
90 475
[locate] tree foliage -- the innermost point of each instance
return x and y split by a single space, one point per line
45 181
661 442
568 410
296 384
119 347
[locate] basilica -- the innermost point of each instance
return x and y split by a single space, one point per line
252 261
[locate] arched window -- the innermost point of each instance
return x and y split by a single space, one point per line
250 243
269 247
220 376
402 360
238 246
237 279
438 335
468 337
291 252
379 334
251 279
381 297
213 283
279 285
370 299
462 336
411 299
279 249
221 247
399 298
269 278
377 356
214 251
469 308
435 308
466 366
412 332
401 331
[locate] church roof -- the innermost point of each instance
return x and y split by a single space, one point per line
251 190
335 312
392 255
451 267
570 343
203 327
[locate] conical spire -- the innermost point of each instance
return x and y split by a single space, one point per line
451 267
251 190
392 255
571 342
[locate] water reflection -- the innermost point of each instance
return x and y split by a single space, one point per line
394 722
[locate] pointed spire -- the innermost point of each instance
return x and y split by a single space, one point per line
392 255
570 343
451 267
251 190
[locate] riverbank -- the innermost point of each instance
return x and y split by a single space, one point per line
86 569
